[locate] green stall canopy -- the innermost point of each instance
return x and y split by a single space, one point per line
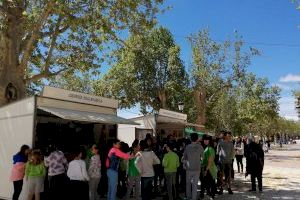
189 131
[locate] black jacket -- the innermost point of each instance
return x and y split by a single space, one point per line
254 158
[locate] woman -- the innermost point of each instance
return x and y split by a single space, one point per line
112 164
77 173
209 167
239 148
18 170
35 172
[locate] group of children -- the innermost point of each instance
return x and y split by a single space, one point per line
65 180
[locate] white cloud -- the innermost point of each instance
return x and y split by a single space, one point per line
288 108
282 86
290 78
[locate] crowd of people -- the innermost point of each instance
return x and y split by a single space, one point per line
169 167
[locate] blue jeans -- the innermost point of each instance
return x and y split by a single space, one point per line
146 186
112 184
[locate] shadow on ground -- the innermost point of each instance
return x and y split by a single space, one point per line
241 186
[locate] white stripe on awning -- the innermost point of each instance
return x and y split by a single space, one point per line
87 116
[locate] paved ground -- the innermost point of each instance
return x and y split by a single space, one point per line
281 177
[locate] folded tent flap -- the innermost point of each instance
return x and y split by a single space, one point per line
86 116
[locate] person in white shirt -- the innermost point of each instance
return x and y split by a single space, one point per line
239 154
144 164
77 173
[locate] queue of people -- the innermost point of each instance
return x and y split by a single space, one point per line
148 168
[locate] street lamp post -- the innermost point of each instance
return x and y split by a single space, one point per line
180 106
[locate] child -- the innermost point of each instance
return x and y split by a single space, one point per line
134 177
170 163
18 170
94 172
79 188
35 172
144 163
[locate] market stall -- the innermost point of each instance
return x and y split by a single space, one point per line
60 117
160 125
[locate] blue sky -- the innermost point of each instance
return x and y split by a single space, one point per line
272 26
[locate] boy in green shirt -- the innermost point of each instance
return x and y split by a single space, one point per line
170 163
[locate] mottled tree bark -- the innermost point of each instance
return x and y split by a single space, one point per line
163 99
10 70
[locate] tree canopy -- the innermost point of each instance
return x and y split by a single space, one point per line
41 39
225 93
148 70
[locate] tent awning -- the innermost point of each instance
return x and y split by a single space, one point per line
195 125
87 116
170 120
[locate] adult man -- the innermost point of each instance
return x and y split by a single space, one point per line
255 163
225 150
192 157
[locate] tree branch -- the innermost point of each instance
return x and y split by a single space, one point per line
52 45
44 75
35 33
59 31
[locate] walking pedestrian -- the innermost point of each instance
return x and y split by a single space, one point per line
255 163
225 150
239 148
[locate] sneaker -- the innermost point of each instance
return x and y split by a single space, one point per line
230 191
260 191
252 190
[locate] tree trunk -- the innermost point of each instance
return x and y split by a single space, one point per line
200 101
163 99
12 86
